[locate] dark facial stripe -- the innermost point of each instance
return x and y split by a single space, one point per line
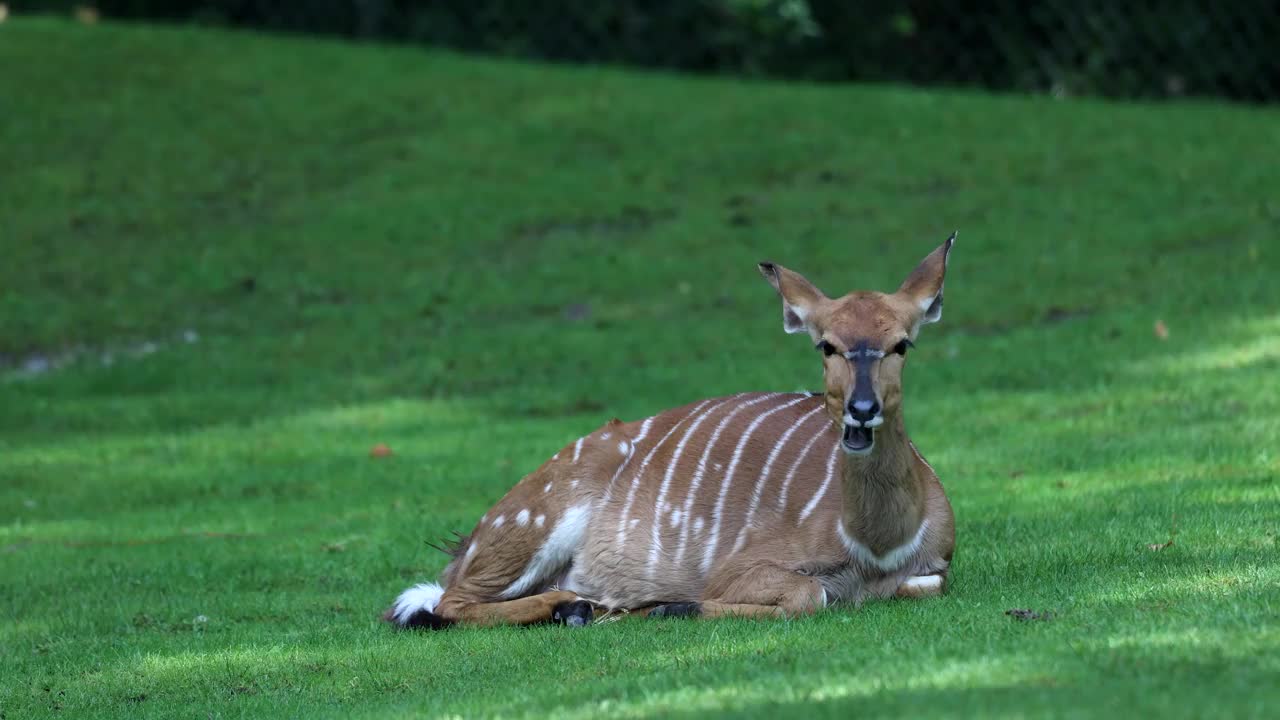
863 357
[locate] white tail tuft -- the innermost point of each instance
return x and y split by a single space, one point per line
419 597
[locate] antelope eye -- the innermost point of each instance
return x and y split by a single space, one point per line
827 348
901 347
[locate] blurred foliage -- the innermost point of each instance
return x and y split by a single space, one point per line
1146 48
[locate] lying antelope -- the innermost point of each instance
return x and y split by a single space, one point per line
754 504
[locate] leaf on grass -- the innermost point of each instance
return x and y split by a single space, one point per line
1162 330
87 14
380 450
1173 533
4 12
1025 614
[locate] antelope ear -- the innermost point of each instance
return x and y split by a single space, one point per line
799 298
923 287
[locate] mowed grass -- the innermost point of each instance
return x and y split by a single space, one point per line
231 264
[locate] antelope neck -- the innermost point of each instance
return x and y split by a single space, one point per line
883 496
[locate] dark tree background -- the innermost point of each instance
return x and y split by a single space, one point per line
1143 48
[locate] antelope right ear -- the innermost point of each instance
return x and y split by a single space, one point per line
799 298
923 287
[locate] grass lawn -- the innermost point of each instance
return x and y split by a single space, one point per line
231 264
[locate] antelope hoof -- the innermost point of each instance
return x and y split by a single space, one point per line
682 609
575 613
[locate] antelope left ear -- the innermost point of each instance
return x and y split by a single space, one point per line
923 287
799 298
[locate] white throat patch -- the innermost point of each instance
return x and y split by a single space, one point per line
890 561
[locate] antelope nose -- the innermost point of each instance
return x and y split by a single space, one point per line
864 410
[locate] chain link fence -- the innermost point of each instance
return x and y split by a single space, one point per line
1137 49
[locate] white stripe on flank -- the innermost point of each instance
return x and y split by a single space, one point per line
577 449
831 471
655 545
764 476
555 553
804 452
702 470
635 480
466 559
608 491
717 516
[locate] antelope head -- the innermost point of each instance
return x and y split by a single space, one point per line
863 338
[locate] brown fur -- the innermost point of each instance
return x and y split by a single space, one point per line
645 532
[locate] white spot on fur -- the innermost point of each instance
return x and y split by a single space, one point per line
498 521
555 553
540 520
622 466
624 447
573 484
890 561
556 456
471 550
697 525
606 436
425 596
522 518
718 467
635 521
546 488
675 518
577 449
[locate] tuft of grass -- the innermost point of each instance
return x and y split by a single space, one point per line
232 264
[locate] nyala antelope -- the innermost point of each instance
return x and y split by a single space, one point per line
758 504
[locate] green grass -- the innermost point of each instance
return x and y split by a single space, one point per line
477 261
